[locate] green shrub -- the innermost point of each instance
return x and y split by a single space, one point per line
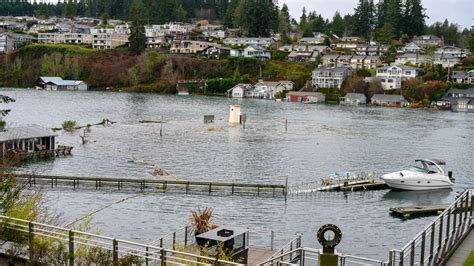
69 125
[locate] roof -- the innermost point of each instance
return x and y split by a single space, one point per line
304 93
60 82
388 98
213 234
352 95
459 75
403 67
25 132
333 69
331 56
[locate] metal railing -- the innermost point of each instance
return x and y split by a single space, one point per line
293 244
76 247
308 256
439 239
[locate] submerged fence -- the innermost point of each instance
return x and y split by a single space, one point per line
47 244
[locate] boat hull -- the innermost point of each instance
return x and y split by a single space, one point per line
408 180
414 185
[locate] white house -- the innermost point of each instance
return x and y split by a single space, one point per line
241 90
57 83
412 48
446 60
391 77
354 99
330 77
256 52
414 59
453 51
428 41
263 42
269 89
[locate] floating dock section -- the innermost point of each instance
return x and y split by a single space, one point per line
156 185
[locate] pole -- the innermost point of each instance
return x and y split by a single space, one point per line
30 242
286 125
71 247
286 189
115 252
161 127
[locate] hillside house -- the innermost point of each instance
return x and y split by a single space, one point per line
412 48
269 89
189 47
10 41
428 41
446 60
330 77
263 42
391 77
414 59
453 51
372 62
329 60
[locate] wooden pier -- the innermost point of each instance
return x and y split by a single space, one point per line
156 185
60 151
373 185
410 211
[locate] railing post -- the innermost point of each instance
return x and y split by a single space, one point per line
174 240
422 252
161 242
390 258
412 253
448 223
272 239
433 228
115 252
456 210
71 248
302 257
146 256
472 205
186 236
163 257
440 240
30 242
402 255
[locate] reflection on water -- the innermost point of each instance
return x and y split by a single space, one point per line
321 139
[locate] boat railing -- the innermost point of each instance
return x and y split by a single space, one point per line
439 239
76 247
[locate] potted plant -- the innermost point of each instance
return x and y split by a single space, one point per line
201 222
3 124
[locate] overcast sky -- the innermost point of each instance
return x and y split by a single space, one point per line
457 11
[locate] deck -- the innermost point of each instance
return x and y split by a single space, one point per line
463 251
256 254
410 211
60 151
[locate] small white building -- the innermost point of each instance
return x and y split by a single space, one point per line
241 90
353 99
391 77
57 83
257 52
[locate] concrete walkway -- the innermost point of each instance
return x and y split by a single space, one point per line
463 251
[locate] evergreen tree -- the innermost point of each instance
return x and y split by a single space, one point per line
337 25
303 19
414 18
364 18
137 39
385 34
284 20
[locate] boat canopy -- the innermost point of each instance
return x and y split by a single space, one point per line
432 161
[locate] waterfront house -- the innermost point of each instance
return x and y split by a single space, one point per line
388 100
412 48
311 40
305 97
470 77
269 89
183 86
391 77
428 41
353 99
241 90
458 100
57 83
330 77
462 105
25 140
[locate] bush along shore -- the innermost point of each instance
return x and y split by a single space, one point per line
149 72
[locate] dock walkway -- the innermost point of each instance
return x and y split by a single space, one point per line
156 185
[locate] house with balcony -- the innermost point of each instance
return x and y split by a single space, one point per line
372 61
446 60
414 59
391 77
103 38
241 90
357 61
453 51
10 41
330 77
428 41
189 47
329 60
262 42
412 48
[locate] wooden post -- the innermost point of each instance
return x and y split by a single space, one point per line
286 125
186 236
174 240
233 188
115 252
286 189
163 257
71 247
412 255
210 187
146 256
187 187
272 238
30 242
161 242
161 127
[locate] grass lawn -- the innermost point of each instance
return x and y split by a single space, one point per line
470 259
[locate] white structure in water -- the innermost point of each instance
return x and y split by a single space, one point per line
234 114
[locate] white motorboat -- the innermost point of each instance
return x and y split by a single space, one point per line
426 175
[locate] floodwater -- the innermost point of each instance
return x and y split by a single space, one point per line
321 139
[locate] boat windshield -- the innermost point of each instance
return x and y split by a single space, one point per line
422 167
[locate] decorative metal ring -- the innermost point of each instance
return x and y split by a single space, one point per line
332 242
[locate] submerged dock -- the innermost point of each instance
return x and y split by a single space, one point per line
410 211
156 185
